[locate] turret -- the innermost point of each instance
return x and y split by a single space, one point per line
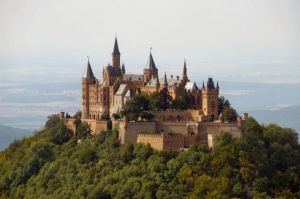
150 70
116 55
210 101
88 79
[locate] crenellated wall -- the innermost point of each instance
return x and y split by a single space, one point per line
155 140
178 115
128 130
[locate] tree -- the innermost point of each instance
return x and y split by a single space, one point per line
105 116
230 114
223 103
166 99
116 116
52 120
183 101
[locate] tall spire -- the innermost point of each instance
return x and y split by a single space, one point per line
88 73
165 81
217 85
123 69
151 64
184 74
203 86
116 47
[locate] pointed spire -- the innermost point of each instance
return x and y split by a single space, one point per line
165 81
203 86
217 85
123 69
116 47
157 81
184 74
151 64
88 72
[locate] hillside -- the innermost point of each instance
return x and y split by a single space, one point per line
9 134
287 117
263 163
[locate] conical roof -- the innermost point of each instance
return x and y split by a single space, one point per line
116 47
151 64
88 73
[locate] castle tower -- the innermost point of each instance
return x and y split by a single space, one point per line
210 100
116 55
150 70
87 80
184 74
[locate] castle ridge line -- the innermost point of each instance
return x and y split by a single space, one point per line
109 96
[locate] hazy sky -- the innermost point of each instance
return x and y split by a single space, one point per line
238 40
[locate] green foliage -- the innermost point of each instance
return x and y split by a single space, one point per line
52 121
263 163
183 101
230 114
105 116
116 116
223 103
77 115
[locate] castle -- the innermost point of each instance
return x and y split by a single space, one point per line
116 88
170 129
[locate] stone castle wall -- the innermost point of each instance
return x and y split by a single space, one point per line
129 130
178 115
155 140
97 126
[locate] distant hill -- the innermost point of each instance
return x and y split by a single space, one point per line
8 134
287 117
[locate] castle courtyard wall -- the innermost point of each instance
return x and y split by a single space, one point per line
155 140
129 130
97 126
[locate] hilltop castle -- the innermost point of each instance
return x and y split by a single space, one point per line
170 129
109 95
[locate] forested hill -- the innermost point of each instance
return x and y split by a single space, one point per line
264 163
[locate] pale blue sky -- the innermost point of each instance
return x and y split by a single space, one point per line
47 41
240 40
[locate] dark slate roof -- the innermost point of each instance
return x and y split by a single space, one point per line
210 83
133 77
116 47
150 64
114 71
88 73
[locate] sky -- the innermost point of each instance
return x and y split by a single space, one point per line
46 43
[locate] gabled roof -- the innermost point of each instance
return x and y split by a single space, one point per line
121 90
153 82
191 86
150 63
88 73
